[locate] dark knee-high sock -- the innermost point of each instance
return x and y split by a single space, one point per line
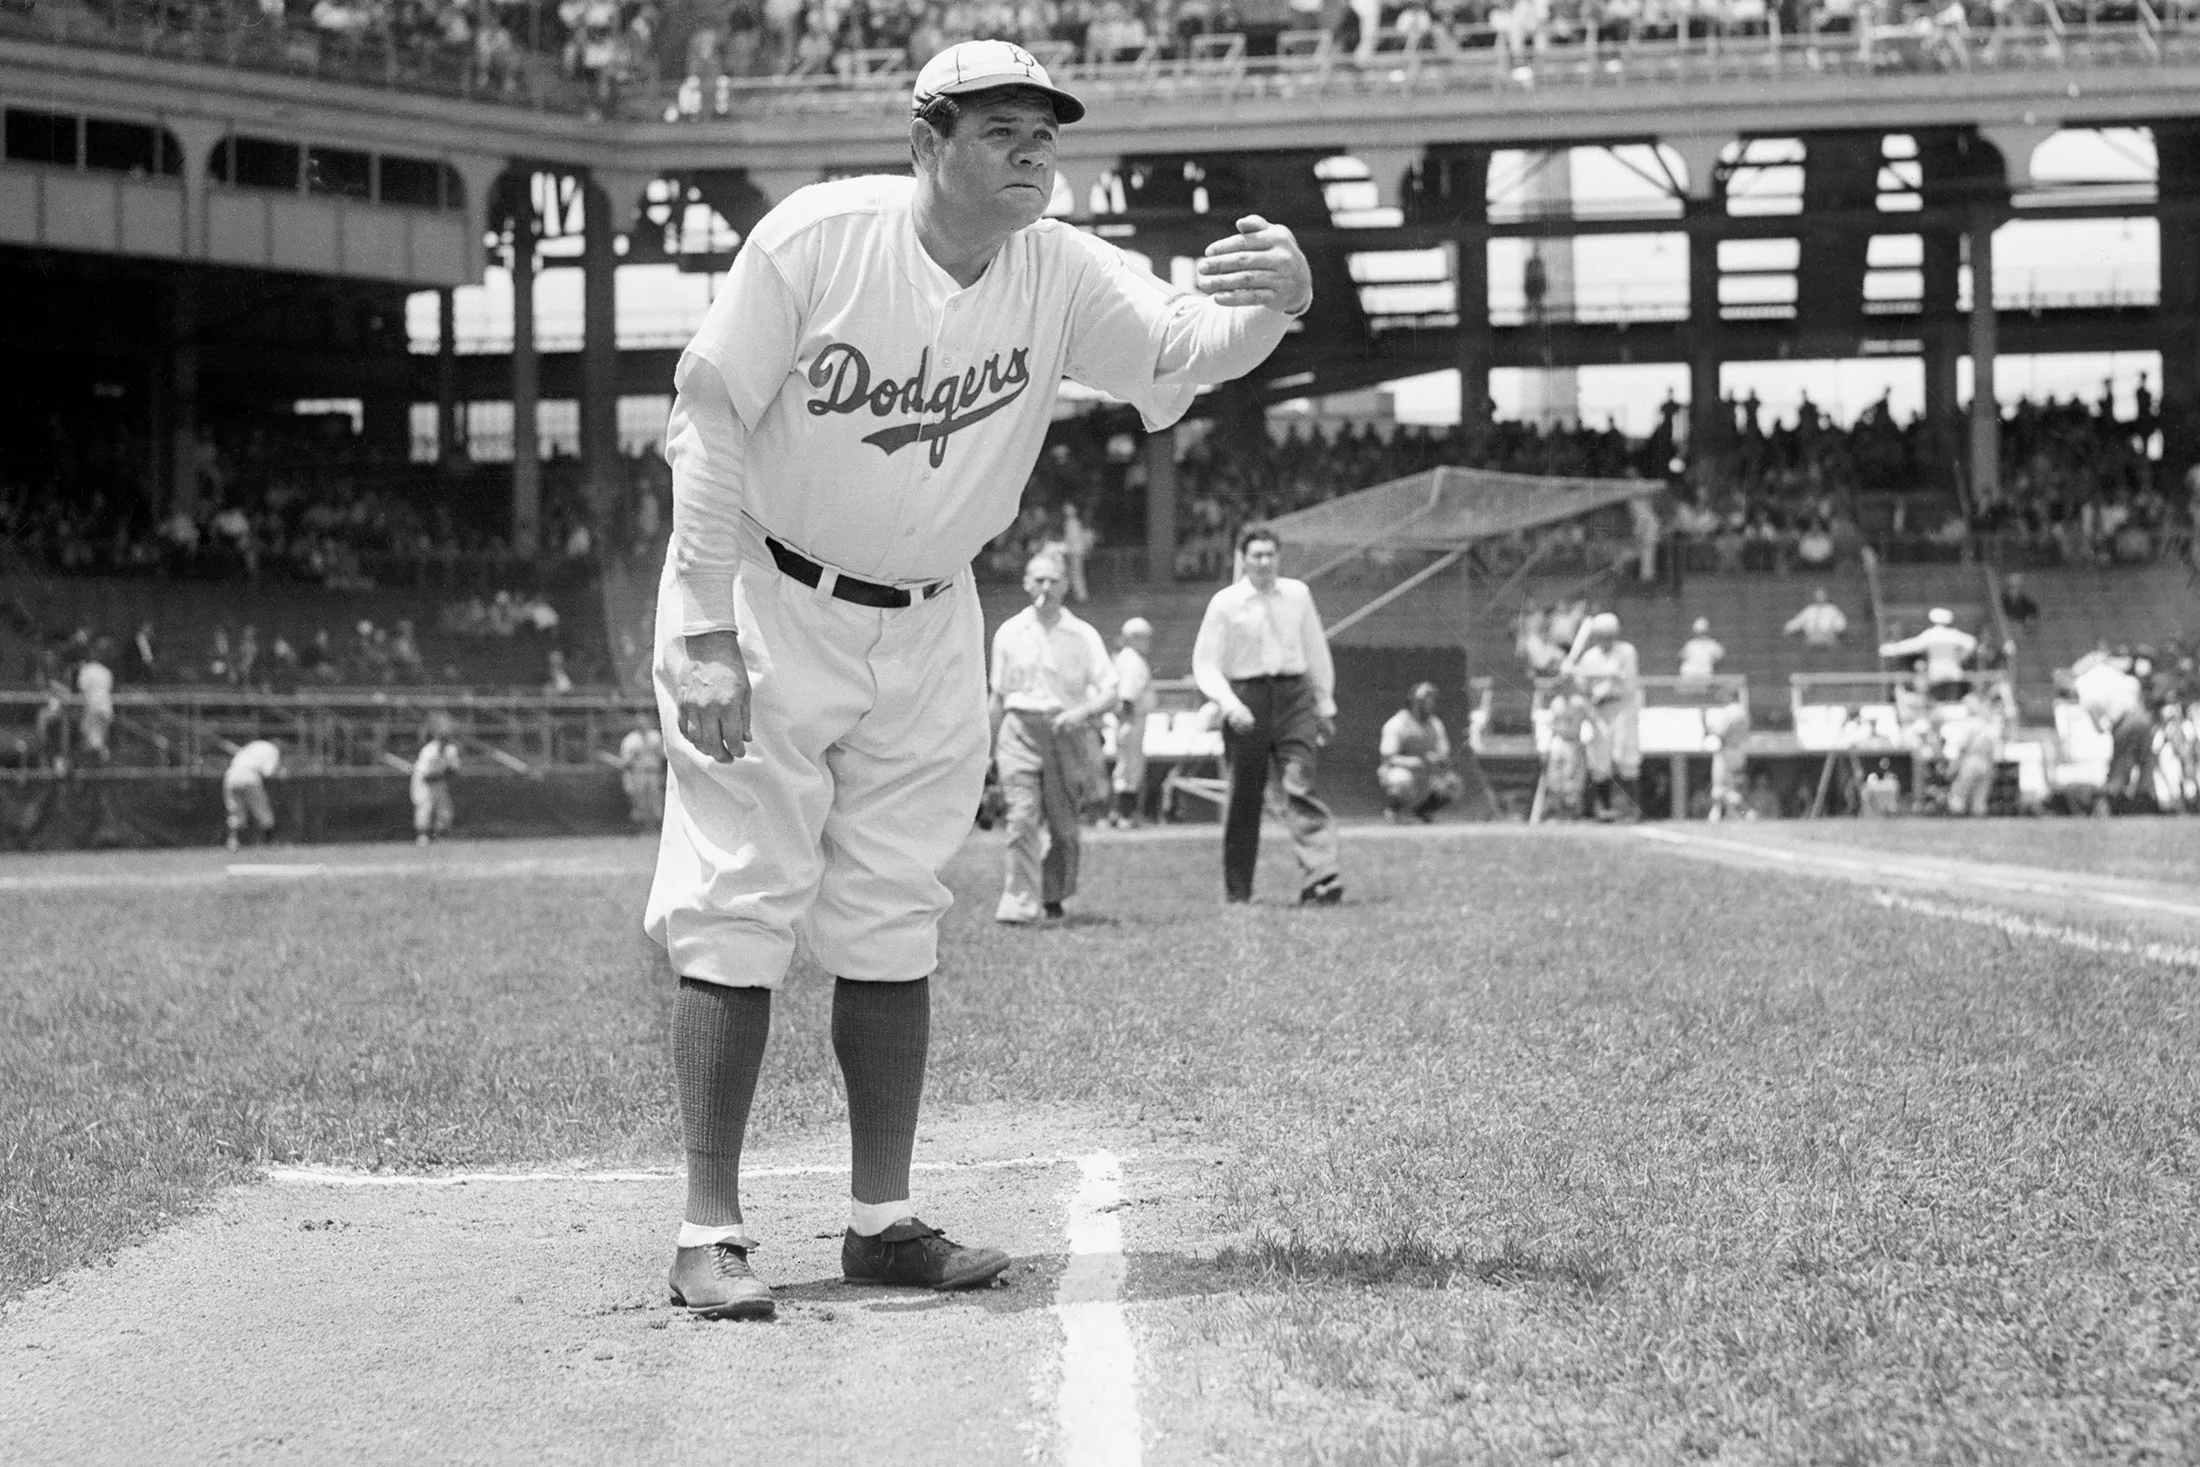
880 1034
718 1038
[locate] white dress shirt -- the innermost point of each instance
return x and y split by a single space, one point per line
1038 670
1250 633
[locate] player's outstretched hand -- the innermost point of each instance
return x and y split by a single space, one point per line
1260 265
712 689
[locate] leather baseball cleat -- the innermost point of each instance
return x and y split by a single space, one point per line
1327 892
715 1282
910 1255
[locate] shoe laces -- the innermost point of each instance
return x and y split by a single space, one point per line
730 1261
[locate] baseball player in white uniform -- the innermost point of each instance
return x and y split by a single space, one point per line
244 790
642 773
431 782
856 418
1135 700
1604 667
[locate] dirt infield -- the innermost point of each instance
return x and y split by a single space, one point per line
340 1317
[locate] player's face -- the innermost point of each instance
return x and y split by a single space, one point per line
1043 583
997 168
1260 563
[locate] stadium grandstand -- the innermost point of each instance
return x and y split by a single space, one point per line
290 463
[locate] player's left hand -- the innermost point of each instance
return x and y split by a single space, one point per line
1068 719
1260 265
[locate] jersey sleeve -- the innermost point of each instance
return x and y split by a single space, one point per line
752 332
1151 343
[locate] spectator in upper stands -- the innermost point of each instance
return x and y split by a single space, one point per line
556 679
1701 653
2017 603
1820 624
140 665
1947 651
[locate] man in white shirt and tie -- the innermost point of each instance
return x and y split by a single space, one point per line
1052 678
1264 660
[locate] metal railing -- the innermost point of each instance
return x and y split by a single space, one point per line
1305 65
194 731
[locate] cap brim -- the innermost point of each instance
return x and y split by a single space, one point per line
1066 107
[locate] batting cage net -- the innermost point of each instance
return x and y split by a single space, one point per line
1407 533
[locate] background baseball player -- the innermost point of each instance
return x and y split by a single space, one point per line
1415 773
1262 657
1134 702
245 805
1051 678
1604 667
855 420
432 769
642 773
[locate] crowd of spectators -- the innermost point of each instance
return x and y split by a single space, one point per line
1803 494
294 499
2077 488
603 49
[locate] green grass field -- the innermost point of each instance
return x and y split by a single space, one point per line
1547 1144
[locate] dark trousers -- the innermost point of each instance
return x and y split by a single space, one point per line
1286 724
2131 763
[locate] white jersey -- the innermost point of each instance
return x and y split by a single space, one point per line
437 762
97 685
256 761
873 415
1134 682
642 748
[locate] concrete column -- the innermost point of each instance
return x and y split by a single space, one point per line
1451 191
1985 407
182 458
1704 426
601 471
450 425
197 139
1161 505
1552 394
1942 340
526 390
2177 147
1472 247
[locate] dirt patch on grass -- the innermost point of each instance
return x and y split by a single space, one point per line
499 1320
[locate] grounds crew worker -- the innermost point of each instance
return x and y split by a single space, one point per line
856 418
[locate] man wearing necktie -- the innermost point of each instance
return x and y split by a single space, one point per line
1263 659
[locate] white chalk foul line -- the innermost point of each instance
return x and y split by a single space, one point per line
1935 871
1097 1403
313 1176
2168 954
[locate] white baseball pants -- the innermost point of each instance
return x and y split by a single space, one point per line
860 781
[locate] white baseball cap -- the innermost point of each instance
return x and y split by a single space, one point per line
977 66
1137 626
1941 616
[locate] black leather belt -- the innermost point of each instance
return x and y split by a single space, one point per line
848 588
